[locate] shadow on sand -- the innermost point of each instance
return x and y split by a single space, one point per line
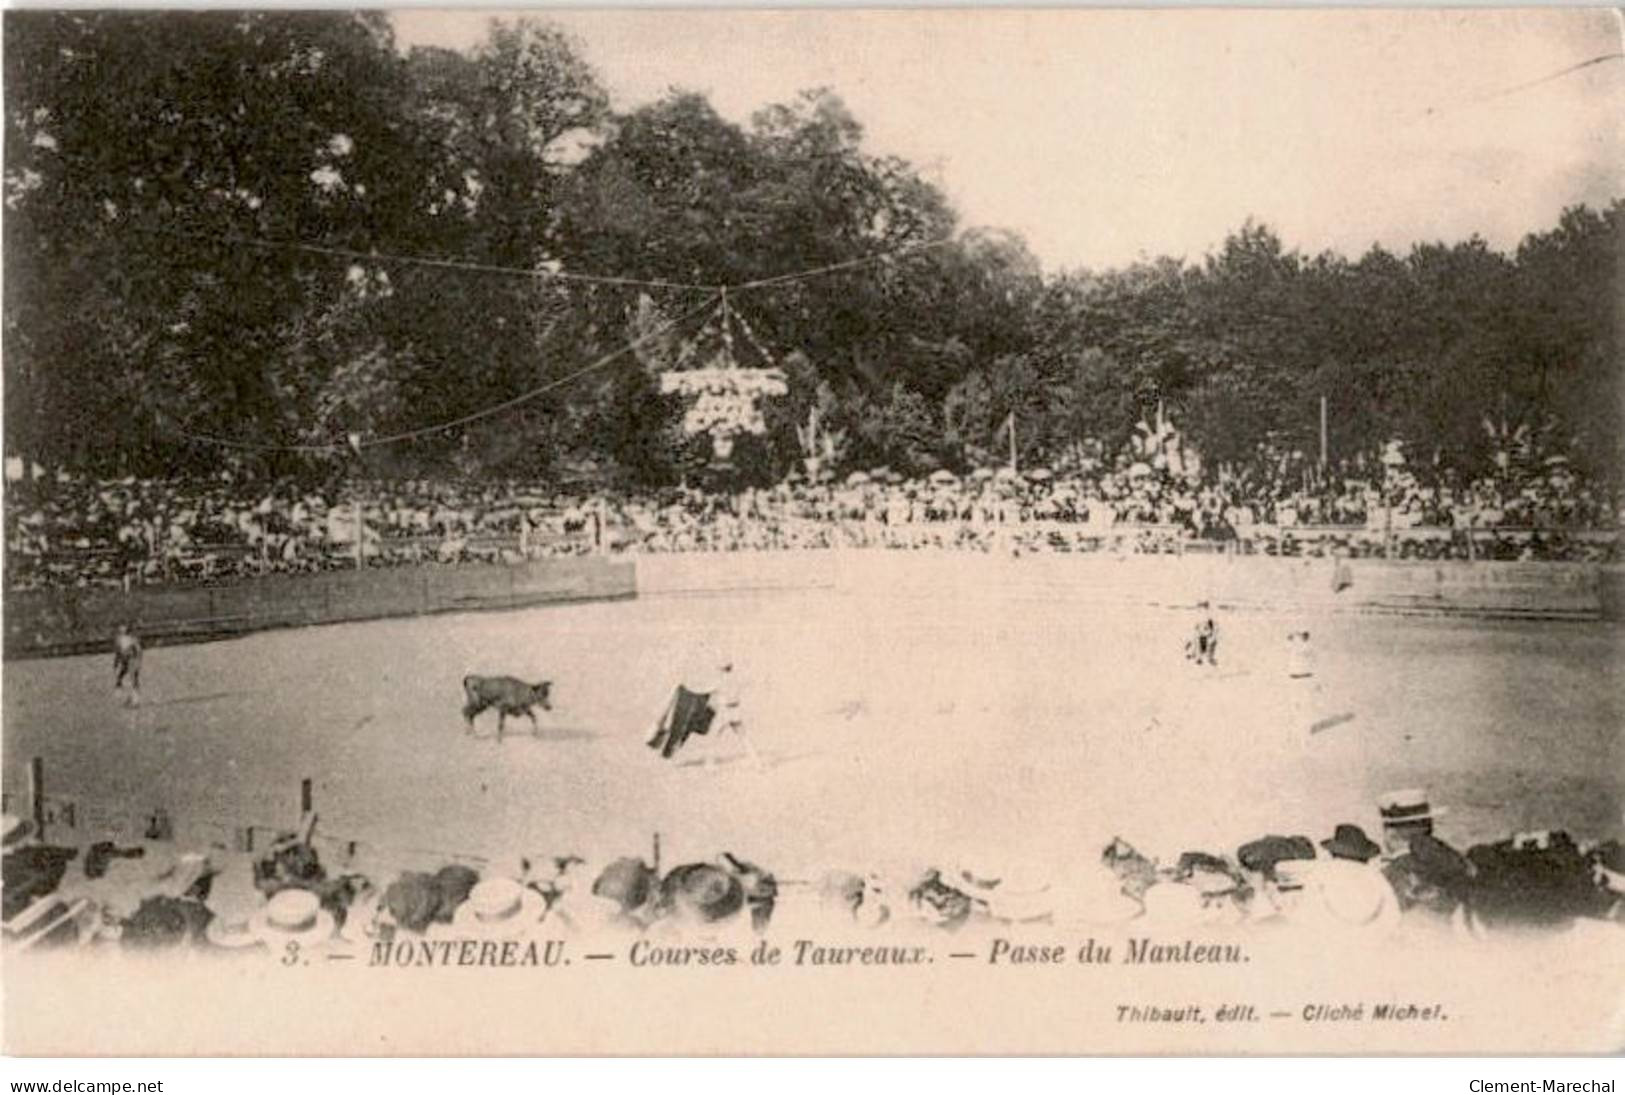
180 701
547 733
769 761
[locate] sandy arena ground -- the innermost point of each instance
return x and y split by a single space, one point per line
891 732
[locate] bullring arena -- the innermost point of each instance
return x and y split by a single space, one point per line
901 711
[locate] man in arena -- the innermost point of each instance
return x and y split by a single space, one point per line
1203 648
1300 660
127 662
713 682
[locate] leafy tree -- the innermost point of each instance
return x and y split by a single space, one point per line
141 147
206 214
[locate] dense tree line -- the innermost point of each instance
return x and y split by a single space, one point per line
160 165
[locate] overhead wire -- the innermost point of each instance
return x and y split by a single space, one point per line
525 397
718 298
250 446
819 271
463 420
539 273
1527 85
544 274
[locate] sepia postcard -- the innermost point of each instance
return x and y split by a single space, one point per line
811 532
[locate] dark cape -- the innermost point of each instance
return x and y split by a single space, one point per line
689 713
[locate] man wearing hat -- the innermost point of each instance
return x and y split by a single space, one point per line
1203 648
724 695
1265 854
1015 896
1300 661
1350 842
699 895
715 682
1405 814
693 710
498 908
292 921
1337 894
1430 877
622 897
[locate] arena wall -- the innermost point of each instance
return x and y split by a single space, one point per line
1612 585
1495 589
695 573
46 622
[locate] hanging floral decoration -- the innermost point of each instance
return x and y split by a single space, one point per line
727 399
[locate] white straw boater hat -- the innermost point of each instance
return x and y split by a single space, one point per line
498 907
1406 808
1344 896
1015 892
292 916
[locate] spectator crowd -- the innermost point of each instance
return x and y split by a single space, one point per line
147 895
67 531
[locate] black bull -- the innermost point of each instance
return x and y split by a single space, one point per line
508 695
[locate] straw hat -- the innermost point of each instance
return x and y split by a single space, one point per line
1014 893
1344 895
292 916
1406 813
499 908
1406 805
1357 898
